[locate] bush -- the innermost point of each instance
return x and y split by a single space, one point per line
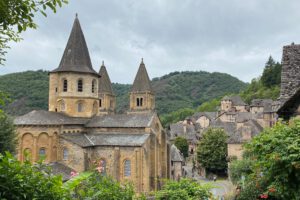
7 134
184 189
239 168
26 181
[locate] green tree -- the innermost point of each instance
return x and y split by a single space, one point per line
276 153
272 73
239 168
212 150
184 189
209 106
26 181
183 145
18 15
7 134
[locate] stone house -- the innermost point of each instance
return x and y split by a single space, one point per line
81 126
177 163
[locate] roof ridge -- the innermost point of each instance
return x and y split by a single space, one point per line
142 82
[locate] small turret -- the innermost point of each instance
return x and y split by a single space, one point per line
141 95
107 98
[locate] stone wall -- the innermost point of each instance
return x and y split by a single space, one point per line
290 75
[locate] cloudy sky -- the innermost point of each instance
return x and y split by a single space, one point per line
232 36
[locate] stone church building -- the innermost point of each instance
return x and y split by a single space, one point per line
81 125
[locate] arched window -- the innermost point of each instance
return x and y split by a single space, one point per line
137 101
62 105
65 154
65 85
141 101
100 103
80 85
127 168
93 86
42 152
80 107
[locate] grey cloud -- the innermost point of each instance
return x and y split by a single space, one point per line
229 36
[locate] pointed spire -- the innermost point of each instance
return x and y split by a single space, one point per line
76 56
141 82
104 81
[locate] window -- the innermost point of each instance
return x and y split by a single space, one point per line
100 103
80 107
139 102
80 85
93 86
42 152
65 85
127 168
65 154
103 164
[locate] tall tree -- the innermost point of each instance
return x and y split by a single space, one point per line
212 150
7 134
18 15
183 145
272 73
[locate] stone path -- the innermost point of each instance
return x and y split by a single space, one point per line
222 187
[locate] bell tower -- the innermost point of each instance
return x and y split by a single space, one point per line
142 97
73 86
107 98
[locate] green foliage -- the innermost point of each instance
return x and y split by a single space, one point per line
272 73
176 116
212 150
26 181
184 189
18 15
239 168
96 186
7 134
276 153
209 106
183 146
174 92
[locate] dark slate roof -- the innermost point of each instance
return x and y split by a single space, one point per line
229 127
289 107
209 115
176 156
265 103
107 139
244 116
42 117
141 82
176 130
61 169
236 100
76 56
104 81
122 120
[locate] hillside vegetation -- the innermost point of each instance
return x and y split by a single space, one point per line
178 90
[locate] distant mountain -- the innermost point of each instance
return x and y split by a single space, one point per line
29 90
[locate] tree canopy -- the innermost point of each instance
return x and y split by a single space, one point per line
17 16
212 150
183 145
7 134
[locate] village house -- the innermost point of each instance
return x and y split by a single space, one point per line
81 125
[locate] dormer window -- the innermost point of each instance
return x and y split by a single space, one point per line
80 85
65 85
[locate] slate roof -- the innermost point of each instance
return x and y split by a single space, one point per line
244 116
176 156
61 169
265 103
76 56
209 115
104 81
236 100
141 82
42 117
290 106
107 139
122 120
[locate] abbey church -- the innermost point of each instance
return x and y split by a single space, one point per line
81 125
